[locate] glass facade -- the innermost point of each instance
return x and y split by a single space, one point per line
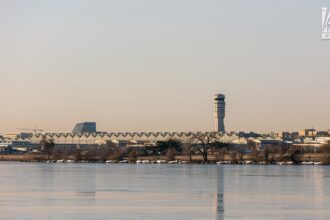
85 127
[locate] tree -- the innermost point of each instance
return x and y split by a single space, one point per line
91 153
326 153
282 151
103 152
233 157
295 154
163 146
203 143
188 149
170 154
132 156
117 154
219 149
217 146
255 155
50 147
57 153
266 154
113 151
47 146
284 148
77 154
251 144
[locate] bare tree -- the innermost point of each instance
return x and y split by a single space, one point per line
326 153
91 153
77 154
103 152
219 149
255 155
117 153
233 157
50 147
203 143
188 149
170 154
295 154
57 153
47 146
162 147
266 154
132 156
284 148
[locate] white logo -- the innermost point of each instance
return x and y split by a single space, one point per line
325 24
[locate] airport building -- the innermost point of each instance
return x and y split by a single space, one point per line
84 127
219 112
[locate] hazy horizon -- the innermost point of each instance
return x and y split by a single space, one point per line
155 65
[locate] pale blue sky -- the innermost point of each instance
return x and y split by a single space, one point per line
148 65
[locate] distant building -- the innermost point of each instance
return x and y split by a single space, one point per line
310 132
286 136
219 112
290 136
322 133
85 127
248 135
295 135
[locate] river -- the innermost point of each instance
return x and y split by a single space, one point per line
152 191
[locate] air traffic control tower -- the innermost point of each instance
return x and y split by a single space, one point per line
219 112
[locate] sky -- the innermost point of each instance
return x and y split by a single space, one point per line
151 65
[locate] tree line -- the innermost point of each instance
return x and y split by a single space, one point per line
201 144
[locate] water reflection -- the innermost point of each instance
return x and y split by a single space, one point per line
218 207
318 176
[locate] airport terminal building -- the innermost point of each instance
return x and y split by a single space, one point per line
84 127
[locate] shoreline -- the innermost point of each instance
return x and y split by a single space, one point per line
196 159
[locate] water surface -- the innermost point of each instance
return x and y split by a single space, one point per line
146 191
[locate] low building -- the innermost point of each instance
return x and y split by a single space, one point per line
310 132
